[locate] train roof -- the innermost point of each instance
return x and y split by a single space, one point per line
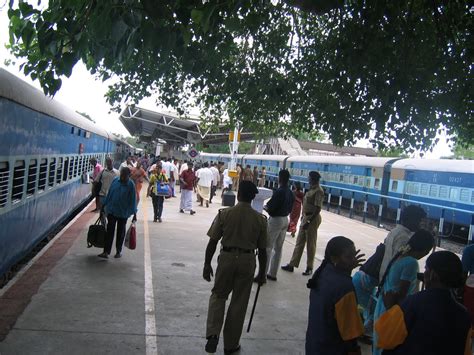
265 157
19 91
441 165
341 160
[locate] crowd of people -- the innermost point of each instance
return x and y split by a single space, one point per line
381 302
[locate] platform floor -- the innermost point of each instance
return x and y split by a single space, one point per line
153 300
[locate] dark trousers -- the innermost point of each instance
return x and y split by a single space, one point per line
109 238
213 192
157 206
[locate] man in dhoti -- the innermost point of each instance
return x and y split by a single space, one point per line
204 183
187 180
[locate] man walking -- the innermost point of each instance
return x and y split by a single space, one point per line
204 184
215 180
279 207
187 180
119 205
105 179
308 232
241 230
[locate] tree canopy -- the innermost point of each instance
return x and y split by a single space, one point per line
394 72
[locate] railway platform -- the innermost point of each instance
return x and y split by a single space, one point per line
153 300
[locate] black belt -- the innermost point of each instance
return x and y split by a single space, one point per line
237 250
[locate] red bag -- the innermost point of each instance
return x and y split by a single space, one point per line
131 237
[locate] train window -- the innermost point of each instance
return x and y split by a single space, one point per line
377 183
72 130
409 188
424 190
52 170
355 180
341 178
76 166
32 173
453 193
367 182
42 174
433 191
443 192
71 168
79 132
464 195
347 178
394 185
416 188
59 170
18 180
4 173
472 196
87 134
65 168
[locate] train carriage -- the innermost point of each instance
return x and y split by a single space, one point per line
437 184
44 151
343 175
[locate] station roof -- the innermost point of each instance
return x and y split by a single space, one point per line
151 126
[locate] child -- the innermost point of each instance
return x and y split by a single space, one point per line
431 321
334 323
400 278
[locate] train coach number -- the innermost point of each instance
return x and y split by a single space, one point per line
455 180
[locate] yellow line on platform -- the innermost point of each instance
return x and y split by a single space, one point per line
150 321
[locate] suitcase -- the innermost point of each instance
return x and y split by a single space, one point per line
96 235
228 199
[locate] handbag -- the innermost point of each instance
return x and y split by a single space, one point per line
131 237
96 234
162 189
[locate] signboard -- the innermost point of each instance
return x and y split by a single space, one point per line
193 153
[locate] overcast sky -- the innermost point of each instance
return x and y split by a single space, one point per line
82 92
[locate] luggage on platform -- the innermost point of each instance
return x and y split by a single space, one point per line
96 234
228 199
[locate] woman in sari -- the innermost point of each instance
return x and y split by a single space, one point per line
296 211
138 175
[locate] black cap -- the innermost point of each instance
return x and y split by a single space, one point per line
247 190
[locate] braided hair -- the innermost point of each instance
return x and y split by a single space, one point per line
419 241
335 247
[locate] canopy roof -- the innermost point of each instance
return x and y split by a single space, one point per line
152 126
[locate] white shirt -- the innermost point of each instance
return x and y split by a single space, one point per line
106 177
215 175
227 180
263 194
205 177
124 165
174 169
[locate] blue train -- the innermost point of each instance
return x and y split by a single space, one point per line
435 184
44 151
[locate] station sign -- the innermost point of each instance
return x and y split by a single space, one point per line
193 153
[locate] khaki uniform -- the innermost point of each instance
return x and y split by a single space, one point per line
242 230
312 199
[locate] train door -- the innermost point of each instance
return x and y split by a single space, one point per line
387 169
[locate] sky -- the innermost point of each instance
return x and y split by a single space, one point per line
84 93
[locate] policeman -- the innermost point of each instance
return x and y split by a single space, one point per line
242 230
310 221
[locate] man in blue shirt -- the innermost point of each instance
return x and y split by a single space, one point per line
279 207
119 205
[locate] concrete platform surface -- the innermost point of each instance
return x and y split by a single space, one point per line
154 301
